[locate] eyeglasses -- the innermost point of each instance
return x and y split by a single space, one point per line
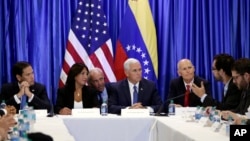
213 68
236 76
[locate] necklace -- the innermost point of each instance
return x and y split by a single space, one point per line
77 93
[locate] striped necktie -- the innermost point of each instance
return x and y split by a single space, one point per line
135 95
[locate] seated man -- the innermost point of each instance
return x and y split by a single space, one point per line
97 81
25 90
180 88
222 72
134 91
241 77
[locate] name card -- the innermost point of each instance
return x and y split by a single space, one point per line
135 112
184 111
89 112
41 113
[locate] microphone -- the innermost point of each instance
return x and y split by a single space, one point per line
161 111
51 112
3 112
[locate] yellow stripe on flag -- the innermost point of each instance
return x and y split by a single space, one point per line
144 19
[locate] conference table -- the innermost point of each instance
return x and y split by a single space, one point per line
178 129
54 127
118 128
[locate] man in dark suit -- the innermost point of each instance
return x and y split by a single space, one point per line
96 79
241 77
25 88
221 68
180 88
134 92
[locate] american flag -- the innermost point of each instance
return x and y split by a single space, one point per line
89 41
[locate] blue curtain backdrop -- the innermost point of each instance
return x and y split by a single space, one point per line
37 31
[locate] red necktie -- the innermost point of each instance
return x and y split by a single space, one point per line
186 100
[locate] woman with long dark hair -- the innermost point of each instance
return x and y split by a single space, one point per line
75 94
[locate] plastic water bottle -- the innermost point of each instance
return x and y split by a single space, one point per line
104 109
243 122
197 114
171 108
217 121
14 136
228 123
216 117
3 104
212 113
31 117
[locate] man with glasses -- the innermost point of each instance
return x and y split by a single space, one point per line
241 77
221 69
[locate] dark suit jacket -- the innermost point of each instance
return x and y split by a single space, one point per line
229 102
109 92
120 98
66 98
177 88
244 103
39 101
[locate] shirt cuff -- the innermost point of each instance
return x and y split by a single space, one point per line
151 110
31 98
203 98
18 101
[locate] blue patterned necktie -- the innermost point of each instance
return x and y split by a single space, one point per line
135 95
23 101
104 97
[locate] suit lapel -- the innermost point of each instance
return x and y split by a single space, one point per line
126 91
224 97
140 91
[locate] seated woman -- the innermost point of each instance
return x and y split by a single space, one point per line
75 94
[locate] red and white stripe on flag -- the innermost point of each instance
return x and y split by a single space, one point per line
88 41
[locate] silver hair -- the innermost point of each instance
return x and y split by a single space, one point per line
183 60
129 61
94 70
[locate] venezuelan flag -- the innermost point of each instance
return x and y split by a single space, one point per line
137 39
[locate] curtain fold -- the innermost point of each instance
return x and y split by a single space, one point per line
37 32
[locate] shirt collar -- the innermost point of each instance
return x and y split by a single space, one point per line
190 84
131 85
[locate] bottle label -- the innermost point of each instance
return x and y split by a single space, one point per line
171 110
104 109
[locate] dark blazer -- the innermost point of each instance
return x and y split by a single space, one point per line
244 103
66 98
121 98
177 88
230 101
39 101
109 92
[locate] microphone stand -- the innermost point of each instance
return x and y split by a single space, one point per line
160 112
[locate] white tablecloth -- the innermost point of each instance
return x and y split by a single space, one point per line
117 128
54 127
108 128
177 129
